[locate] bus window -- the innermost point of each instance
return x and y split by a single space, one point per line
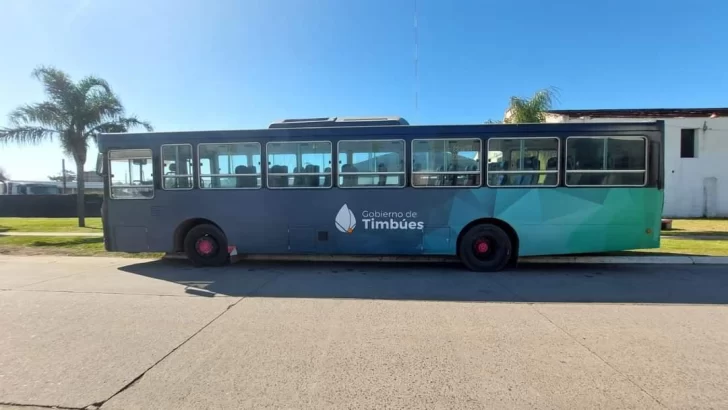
371 164
523 162
130 174
177 166
446 163
299 164
230 166
606 161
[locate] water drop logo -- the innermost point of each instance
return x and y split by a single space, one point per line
345 220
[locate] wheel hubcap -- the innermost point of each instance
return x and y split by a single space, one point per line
205 246
482 247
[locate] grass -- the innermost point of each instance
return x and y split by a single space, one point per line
48 225
59 245
698 227
693 247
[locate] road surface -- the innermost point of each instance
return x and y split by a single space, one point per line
128 334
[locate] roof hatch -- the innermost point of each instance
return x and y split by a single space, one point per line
337 122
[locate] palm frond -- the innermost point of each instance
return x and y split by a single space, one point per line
46 114
26 135
74 113
119 125
101 108
91 83
132 121
525 110
57 84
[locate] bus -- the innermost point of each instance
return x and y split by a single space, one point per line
47 188
348 187
29 188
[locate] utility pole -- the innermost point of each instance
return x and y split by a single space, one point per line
63 172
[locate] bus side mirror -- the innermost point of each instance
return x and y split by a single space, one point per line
100 164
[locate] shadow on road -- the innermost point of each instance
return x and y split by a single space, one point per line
691 284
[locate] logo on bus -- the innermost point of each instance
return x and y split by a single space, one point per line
345 220
378 220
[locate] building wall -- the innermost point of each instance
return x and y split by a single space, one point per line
92 176
694 187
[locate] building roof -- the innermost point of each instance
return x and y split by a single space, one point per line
644 112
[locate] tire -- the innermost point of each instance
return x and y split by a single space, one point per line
206 245
485 248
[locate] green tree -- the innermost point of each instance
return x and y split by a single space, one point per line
73 114
523 110
3 174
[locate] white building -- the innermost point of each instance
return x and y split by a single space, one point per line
696 154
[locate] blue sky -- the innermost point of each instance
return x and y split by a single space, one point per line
191 65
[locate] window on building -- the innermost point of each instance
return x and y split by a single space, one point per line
177 166
613 161
299 164
446 163
687 143
523 162
371 164
131 174
230 166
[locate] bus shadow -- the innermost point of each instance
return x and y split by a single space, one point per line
688 284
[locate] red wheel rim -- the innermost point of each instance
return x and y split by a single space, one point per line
205 246
481 246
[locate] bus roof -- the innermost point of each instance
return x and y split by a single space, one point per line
312 128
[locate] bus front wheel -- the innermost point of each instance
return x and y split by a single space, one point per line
206 245
485 248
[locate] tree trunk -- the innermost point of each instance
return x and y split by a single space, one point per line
80 198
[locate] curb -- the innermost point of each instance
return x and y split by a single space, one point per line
584 260
643 260
709 260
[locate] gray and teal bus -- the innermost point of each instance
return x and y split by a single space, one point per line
486 193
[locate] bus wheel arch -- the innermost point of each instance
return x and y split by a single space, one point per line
507 228
185 227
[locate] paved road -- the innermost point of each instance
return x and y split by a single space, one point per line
129 334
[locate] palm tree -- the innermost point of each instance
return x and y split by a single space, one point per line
522 110
73 114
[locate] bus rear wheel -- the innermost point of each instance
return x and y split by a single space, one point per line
485 248
206 245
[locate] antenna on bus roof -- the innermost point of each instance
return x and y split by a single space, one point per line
417 76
